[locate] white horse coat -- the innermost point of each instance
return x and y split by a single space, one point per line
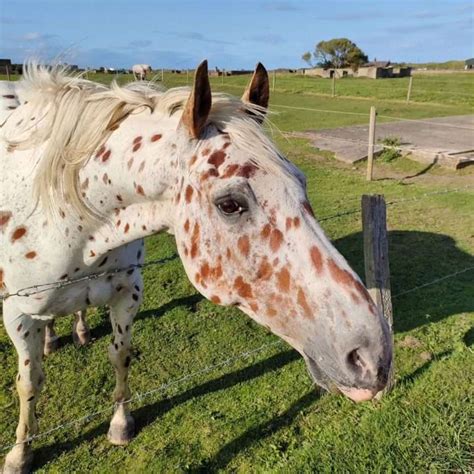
140 71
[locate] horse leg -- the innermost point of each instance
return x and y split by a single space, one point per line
51 339
27 336
122 312
80 330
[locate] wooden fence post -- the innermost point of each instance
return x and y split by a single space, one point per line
162 75
370 151
410 83
377 269
187 76
334 84
8 72
273 81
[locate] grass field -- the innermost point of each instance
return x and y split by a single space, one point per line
261 413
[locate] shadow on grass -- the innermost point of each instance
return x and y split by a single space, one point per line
417 258
104 328
225 455
469 337
410 378
148 414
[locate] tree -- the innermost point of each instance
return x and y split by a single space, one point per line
307 58
337 53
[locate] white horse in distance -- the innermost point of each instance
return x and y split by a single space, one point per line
140 71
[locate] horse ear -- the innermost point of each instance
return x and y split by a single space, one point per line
258 90
198 106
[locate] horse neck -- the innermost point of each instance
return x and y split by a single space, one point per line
132 180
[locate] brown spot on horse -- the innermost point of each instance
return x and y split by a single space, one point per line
283 280
156 137
276 238
244 245
217 158
243 289
18 233
301 300
230 171
188 193
106 156
247 170
316 258
4 218
195 241
30 255
265 270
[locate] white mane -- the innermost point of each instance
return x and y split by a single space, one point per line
76 116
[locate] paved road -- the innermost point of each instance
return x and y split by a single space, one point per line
449 140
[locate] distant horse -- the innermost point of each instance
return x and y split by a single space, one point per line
88 171
140 71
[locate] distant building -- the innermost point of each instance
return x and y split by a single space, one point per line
469 64
372 70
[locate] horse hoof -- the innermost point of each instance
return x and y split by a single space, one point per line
51 346
120 433
81 338
16 463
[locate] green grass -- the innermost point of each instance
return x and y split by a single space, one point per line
261 413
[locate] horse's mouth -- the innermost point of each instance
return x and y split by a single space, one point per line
356 394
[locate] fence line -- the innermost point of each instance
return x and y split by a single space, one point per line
310 109
141 396
397 201
205 370
433 282
41 288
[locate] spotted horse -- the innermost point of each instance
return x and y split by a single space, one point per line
90 170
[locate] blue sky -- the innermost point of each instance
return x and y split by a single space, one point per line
231 34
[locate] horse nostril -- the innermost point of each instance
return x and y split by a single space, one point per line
354 361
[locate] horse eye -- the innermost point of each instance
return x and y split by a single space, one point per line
230 206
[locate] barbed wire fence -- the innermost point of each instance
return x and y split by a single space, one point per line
139 397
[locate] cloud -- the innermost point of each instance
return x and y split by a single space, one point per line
139 44
8 20
35 36
282 6
266 38
196 36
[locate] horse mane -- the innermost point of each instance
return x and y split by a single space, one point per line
76 117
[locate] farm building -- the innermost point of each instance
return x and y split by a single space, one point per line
372 70
469 64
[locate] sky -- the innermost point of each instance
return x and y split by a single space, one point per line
230 34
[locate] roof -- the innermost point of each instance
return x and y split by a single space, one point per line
469 61
377 64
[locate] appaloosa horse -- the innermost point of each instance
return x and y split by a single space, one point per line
89 171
